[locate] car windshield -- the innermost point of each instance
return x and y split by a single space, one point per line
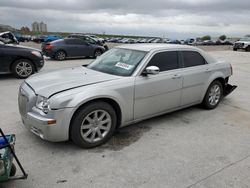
117 61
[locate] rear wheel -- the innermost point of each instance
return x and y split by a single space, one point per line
234 49
97 53
23 68
248 49
214 95
60 55
93 124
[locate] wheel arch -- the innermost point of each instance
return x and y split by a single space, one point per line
110 101
21 57
60 49
222 80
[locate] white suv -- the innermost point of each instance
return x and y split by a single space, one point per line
243 43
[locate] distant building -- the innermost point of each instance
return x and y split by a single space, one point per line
39 27
43 27
35 27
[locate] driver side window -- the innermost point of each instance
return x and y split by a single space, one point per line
165 60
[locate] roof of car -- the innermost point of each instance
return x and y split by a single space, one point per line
156 47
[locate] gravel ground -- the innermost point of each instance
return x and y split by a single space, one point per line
189 148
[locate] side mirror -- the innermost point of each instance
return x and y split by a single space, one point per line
151 70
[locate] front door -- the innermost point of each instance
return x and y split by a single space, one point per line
158 93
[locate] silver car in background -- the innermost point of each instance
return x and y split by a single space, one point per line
125 85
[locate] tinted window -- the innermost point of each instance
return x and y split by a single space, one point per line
165 61
192 59
73 41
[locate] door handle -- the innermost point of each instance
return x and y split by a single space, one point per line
208 70
177 76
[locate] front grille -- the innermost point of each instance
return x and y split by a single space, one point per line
22 103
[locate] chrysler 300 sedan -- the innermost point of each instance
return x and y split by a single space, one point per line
125 85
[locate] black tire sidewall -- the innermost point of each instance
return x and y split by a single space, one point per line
80 115
206 103
13 68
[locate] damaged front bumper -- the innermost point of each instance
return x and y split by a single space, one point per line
228 89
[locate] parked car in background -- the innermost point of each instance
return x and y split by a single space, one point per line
208 42
174 41
8 38
22 38
39 39
88 39
189 41
243 44
51 38
97 38
71 47
127 84
20 60
223 42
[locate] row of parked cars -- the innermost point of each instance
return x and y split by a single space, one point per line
23 61
189 41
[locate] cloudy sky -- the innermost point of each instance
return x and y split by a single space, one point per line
168 18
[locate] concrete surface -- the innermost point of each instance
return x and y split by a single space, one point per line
189 148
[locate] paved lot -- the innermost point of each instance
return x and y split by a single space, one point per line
188 148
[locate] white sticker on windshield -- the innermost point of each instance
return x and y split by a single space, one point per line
124 66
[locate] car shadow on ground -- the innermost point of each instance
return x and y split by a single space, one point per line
125 136
8 77
72 58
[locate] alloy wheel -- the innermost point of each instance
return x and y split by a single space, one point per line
214 95
23 69
95 126
60 55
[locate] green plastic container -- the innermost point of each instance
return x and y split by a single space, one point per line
7 168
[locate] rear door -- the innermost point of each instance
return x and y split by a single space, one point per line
195 73
158 93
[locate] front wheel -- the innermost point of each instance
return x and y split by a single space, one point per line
213 95
97 53
23 68
93 124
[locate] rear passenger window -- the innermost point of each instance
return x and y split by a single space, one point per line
165 61
73 41
192 59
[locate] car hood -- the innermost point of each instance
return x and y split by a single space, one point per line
241 41
23 47
50 83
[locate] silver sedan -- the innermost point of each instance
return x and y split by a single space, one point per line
125 85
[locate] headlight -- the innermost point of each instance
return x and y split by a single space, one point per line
43 103
36 53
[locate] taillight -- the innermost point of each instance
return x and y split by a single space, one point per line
48 46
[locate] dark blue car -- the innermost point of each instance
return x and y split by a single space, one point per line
71 47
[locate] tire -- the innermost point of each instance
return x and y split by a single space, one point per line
13 170
97 53
23 68
87 131
213 97
60 55
235 49
248 49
